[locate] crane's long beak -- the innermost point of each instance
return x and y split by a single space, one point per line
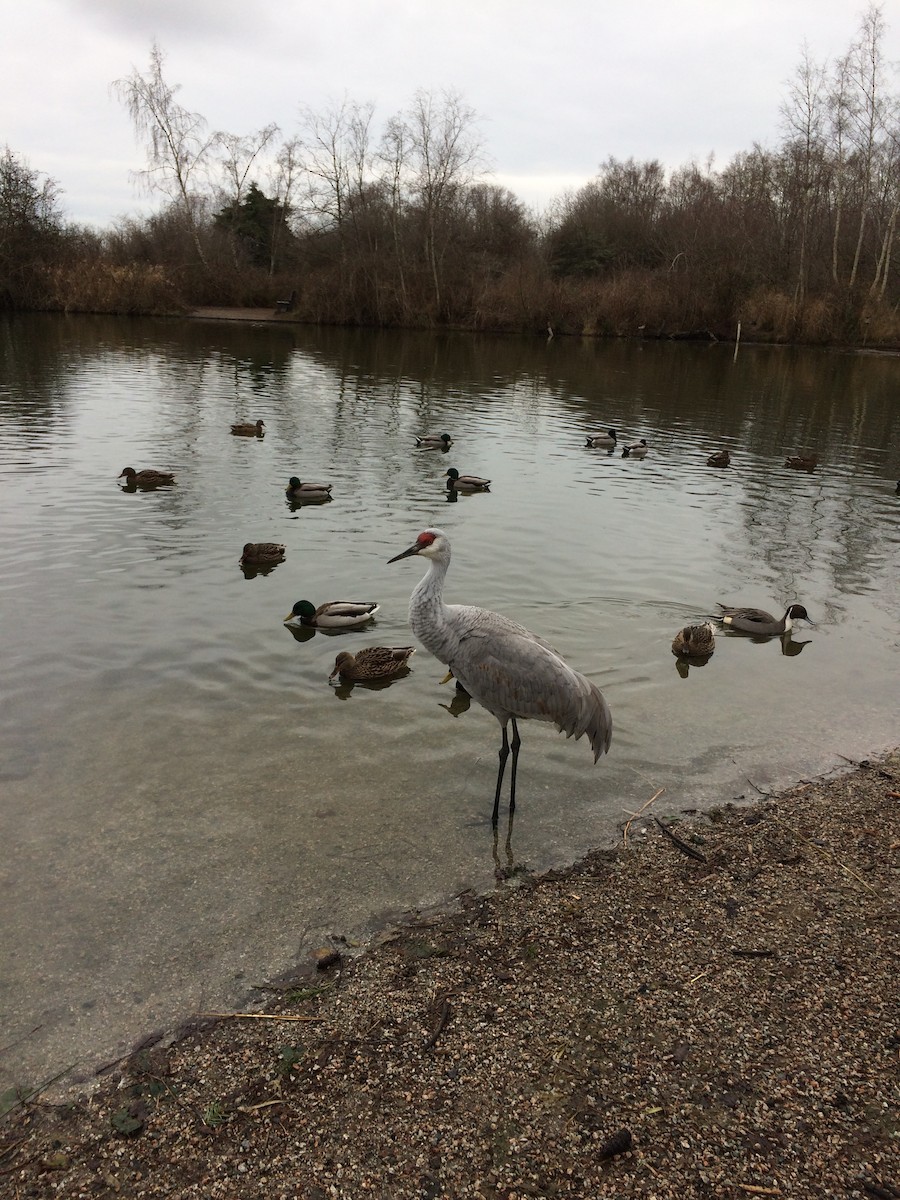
413 549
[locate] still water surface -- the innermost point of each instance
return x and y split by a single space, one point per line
188 807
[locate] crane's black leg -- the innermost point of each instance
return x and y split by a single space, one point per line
516 743
504 755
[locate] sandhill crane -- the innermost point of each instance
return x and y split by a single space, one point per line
509 670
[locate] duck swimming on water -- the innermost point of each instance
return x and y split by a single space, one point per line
335 614
607 440
467 483
374 662
757 620
146 479
435 441
695 641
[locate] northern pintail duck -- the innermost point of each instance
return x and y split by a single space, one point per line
757 620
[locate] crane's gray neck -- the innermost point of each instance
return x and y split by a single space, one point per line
428 616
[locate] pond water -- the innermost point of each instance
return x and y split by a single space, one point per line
188 808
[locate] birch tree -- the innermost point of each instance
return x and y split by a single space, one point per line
178 146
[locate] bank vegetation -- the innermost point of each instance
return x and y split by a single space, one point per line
398 224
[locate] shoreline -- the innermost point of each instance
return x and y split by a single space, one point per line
270 316
727 995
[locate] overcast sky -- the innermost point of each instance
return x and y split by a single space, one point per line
559 86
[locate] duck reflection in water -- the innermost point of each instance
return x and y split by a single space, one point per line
343 689
296 502
461 698
251 570
790 648
683 665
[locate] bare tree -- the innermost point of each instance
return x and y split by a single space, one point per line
866 65
337 157
178 145
30 227
445 156
237 154
803 118
282 179
394 153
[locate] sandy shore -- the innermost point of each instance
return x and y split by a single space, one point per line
711 1015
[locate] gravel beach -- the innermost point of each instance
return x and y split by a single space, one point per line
711 1008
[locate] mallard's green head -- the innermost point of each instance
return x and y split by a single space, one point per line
453 473
294 482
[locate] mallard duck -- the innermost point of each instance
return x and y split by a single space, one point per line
262 554
146 479
800 462
296 490
607 439
638 450
375 662
466 483
695 641
435 441
249 429
336 614
720 459
757 620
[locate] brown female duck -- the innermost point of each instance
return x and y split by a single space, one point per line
375 662
800 462
262 554
249 429
146 479
695 641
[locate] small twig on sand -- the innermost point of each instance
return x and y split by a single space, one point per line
442 1008
646 804
255 1016
682 846
252 1108
833 857
41 1087
757 1191
762 792
882 1191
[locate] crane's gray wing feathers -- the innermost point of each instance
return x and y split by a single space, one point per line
514 673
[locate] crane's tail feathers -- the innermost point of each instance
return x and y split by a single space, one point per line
593 718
